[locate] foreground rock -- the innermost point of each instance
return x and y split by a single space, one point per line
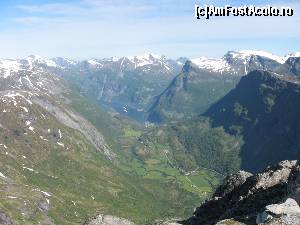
108 220
271 197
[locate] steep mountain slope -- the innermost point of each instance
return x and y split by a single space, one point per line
264 109
203 81
270 197
57 168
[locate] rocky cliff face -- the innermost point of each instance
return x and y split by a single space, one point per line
270 197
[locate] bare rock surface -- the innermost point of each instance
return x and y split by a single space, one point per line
231 182
286 211
108 220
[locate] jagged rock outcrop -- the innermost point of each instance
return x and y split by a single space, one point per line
245 199
231 182
108 220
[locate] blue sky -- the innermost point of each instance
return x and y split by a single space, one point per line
101 28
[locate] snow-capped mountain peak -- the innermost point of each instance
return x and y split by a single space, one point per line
36 59
94 63
237 62
146 59
64 62
244 54
146 56
215 65
9 66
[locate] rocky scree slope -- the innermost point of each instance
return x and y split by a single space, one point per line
39 129
25 85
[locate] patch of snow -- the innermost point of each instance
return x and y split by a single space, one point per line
46 193
30 169
13 95
31 128
146 59
28 80
11 197
93 62
44 139
60 144
60 135
2 175
3 146
24 108
20 80
9 66
36 59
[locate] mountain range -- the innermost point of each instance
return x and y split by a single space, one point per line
143 137
148 87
